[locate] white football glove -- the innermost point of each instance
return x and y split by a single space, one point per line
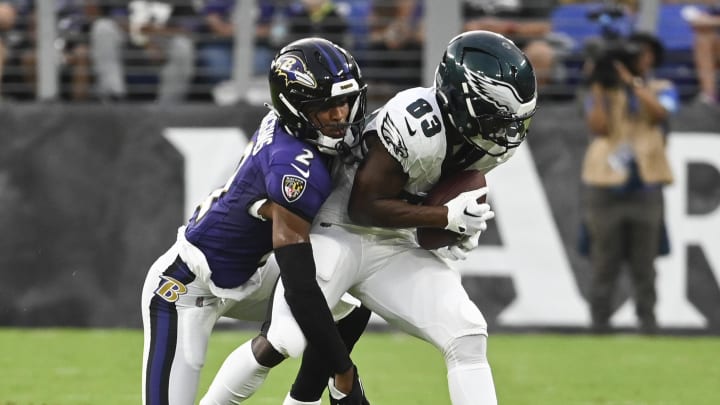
465 215
460 250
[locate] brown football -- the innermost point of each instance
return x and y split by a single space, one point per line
444 191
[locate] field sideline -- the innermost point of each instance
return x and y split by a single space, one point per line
84 367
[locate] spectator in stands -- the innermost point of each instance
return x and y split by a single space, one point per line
8 13
216 40
215 44
155 34
705 22
264 49
316 18
624 170
395 47
527 23
73 24
73 19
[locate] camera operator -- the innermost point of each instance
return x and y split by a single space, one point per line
624 170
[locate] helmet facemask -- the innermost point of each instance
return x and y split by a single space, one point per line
496 133
351 128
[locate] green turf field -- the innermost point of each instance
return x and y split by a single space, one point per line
83 367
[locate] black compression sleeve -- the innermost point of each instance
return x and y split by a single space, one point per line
312 377
308 305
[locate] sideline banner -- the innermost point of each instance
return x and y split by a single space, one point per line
91 195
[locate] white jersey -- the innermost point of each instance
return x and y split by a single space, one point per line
411 128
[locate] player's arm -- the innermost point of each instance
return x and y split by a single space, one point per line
375 198
293 251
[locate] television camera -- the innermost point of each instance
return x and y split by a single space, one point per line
609 47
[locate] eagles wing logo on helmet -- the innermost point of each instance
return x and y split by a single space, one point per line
294 70
498 93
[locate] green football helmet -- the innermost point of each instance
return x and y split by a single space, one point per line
486 87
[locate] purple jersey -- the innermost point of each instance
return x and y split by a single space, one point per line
276 166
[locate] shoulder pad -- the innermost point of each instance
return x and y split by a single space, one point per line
410 128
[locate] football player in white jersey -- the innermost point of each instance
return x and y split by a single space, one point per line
474 117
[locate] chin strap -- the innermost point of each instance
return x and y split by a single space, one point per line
344 152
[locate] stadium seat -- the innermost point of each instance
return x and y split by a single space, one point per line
572 20
673 31
356 12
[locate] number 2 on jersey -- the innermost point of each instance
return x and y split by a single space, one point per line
303 159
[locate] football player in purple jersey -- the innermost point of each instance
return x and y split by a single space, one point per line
220 264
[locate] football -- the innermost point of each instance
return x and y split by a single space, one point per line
444 191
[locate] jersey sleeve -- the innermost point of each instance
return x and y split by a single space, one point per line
412 139
393 136
301 189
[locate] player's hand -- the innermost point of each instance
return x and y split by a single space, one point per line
467 216
460 250
356 396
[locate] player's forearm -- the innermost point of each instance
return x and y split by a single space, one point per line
395 213
308 305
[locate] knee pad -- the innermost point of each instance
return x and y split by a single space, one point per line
194 359
466 350
473 318
287 339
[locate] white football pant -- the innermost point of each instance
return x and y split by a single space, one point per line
409 287
179 311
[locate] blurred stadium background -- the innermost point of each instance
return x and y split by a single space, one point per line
92 188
